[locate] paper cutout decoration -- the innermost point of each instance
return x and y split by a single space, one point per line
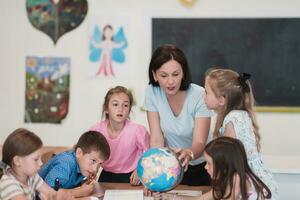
56 17
106 47
47 89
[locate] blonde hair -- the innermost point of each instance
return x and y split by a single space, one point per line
112 91
238 96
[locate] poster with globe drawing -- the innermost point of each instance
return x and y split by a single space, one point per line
47 89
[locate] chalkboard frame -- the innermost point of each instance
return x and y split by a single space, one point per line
161 25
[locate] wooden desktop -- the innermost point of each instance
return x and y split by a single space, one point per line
127 186
101 187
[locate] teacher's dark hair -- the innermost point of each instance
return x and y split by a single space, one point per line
164 54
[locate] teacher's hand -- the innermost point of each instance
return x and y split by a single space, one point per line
184 155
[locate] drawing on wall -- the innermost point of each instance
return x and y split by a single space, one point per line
56 17
107 45
47 89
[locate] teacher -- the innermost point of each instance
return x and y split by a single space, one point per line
176 112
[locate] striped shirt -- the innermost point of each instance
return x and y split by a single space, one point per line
11 187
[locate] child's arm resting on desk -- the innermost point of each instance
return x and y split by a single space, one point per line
47 193
86 189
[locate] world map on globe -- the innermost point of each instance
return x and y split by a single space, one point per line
159 169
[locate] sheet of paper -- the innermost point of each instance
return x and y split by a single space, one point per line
124 195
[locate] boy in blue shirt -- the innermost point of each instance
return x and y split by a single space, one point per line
68 169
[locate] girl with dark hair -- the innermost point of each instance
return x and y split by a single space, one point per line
231 175
232 178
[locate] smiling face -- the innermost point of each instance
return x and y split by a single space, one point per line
209 166
28 165
89 163
212 101
169 77
118 107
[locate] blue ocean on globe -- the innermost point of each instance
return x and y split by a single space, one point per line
159 169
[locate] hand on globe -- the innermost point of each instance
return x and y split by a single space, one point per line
159 169
134 179
184 155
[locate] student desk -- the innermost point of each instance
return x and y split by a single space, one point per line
127 186
101 187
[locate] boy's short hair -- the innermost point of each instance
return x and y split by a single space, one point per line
93 141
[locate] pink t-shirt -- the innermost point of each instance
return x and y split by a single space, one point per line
126 149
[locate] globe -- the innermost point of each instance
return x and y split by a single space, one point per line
159 169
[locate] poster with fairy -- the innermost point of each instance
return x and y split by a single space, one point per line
47 89
107 47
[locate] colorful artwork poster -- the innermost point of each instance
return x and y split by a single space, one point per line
47 89
56 17
108 47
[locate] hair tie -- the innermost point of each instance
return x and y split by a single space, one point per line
243 82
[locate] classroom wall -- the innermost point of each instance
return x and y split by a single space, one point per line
18 39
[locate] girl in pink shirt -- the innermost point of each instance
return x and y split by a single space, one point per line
127 140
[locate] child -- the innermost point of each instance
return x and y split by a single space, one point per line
232 178
127 140
230 95
68 169
21 156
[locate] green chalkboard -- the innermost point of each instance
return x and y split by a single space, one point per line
267 48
